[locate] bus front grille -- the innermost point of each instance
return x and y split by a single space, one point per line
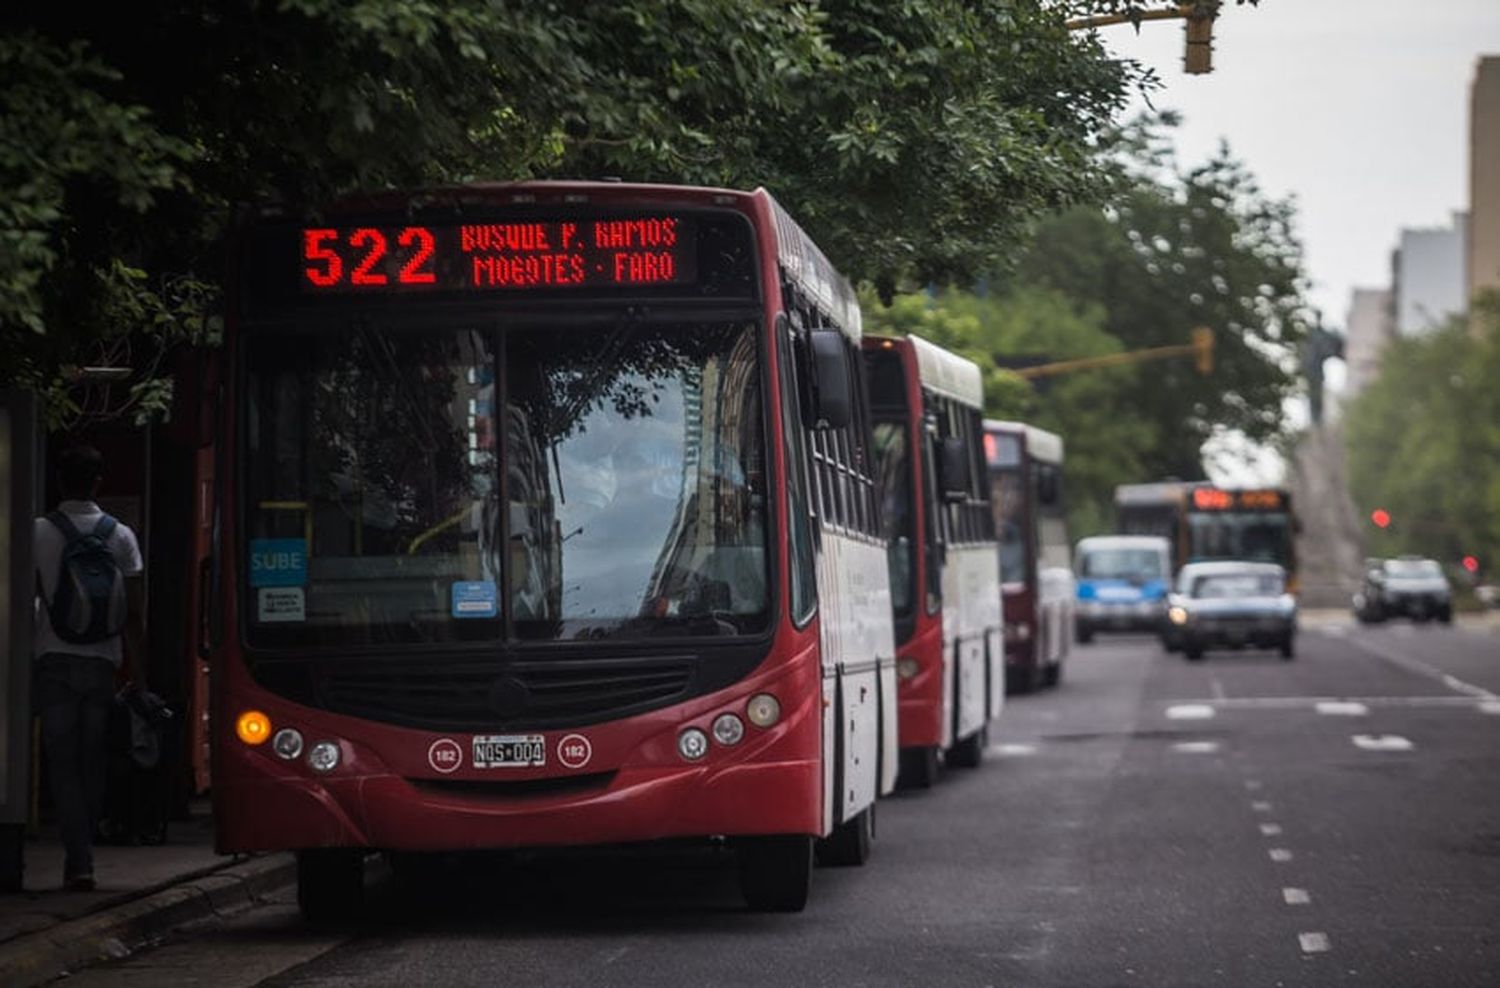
485 695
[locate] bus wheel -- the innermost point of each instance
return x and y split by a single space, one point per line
969 752
849 844
1053 673
1019 680
330 883
919 767
775 872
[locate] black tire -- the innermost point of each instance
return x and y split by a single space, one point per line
1084 634
919 768
1053 674
776 872
1018 681
1445 615
1288 649
968 752
1192 651
849 844
330 883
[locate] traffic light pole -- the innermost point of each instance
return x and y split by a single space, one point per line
1202 348
1197 56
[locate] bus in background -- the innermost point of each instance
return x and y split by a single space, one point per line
1025 475
547 518
945 586
1123 582
1158 509
1250 524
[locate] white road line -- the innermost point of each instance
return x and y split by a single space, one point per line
1190 711
1423 669
1382 742
1280 855
1217 688
1270 829
1311 702
1013 750
1341 708
1296 897
1261 806
1313 943
1196 747
1490 707
1253 785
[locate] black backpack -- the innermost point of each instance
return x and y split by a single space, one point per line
89 603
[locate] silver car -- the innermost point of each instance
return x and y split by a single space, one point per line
1232 605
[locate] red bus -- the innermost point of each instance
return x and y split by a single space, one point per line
945 584
1025 469
546 518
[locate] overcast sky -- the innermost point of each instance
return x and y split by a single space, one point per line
1359 108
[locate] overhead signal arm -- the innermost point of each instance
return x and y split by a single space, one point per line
1201 349
1197 58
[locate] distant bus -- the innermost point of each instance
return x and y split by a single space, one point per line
1025 474
553 521
945 583
1203 522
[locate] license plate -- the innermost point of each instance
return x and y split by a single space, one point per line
509 751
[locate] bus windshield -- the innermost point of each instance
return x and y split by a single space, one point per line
633 471
1248 535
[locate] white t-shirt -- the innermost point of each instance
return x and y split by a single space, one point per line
47 545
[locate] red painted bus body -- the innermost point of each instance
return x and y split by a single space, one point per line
1025 469
942 553
473 678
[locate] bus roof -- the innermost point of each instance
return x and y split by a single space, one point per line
946 373
1040 444
1105 543
1166 492
811 271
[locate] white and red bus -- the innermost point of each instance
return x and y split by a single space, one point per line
945 583
1025 473
547 517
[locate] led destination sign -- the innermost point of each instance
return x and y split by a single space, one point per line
1218 499
633 252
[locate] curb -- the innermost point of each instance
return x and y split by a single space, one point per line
116 932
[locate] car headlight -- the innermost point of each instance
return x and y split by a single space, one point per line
1177 615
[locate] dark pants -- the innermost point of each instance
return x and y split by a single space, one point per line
74 693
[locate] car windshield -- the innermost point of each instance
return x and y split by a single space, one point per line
1121 564
633 474
1220 586
1413 568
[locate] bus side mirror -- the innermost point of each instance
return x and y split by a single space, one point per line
833 399
195 397
953 466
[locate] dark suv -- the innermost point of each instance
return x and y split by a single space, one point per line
1406 587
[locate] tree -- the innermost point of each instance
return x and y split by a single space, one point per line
1424 442
1178 249
1105 440
915 140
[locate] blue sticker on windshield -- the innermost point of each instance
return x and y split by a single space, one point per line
278 562
475 599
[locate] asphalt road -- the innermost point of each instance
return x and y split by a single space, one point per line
1240 821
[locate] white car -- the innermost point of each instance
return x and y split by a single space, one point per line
1232 605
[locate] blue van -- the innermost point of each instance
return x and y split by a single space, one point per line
1123 582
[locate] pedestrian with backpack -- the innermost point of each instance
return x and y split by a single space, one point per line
89 620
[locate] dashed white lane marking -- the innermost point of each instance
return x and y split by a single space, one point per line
1217 688
1270 829
1313 943
1261 806
1190 711
1490 707
1013 750
1311 702
1196 747
1382 742
1280 855
1252 784
1296 897
1342 708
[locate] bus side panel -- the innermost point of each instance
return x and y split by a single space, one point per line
855 598
971 601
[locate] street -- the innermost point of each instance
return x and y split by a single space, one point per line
1238 821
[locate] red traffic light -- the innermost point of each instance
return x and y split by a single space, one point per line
1381 518
1471 563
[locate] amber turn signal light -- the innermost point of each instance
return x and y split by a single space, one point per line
253 727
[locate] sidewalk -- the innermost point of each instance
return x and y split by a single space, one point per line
143 894
1324 617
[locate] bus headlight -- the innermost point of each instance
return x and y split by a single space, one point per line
692 744
728 729
907 668
1177 615
763 710
323 756
287 743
